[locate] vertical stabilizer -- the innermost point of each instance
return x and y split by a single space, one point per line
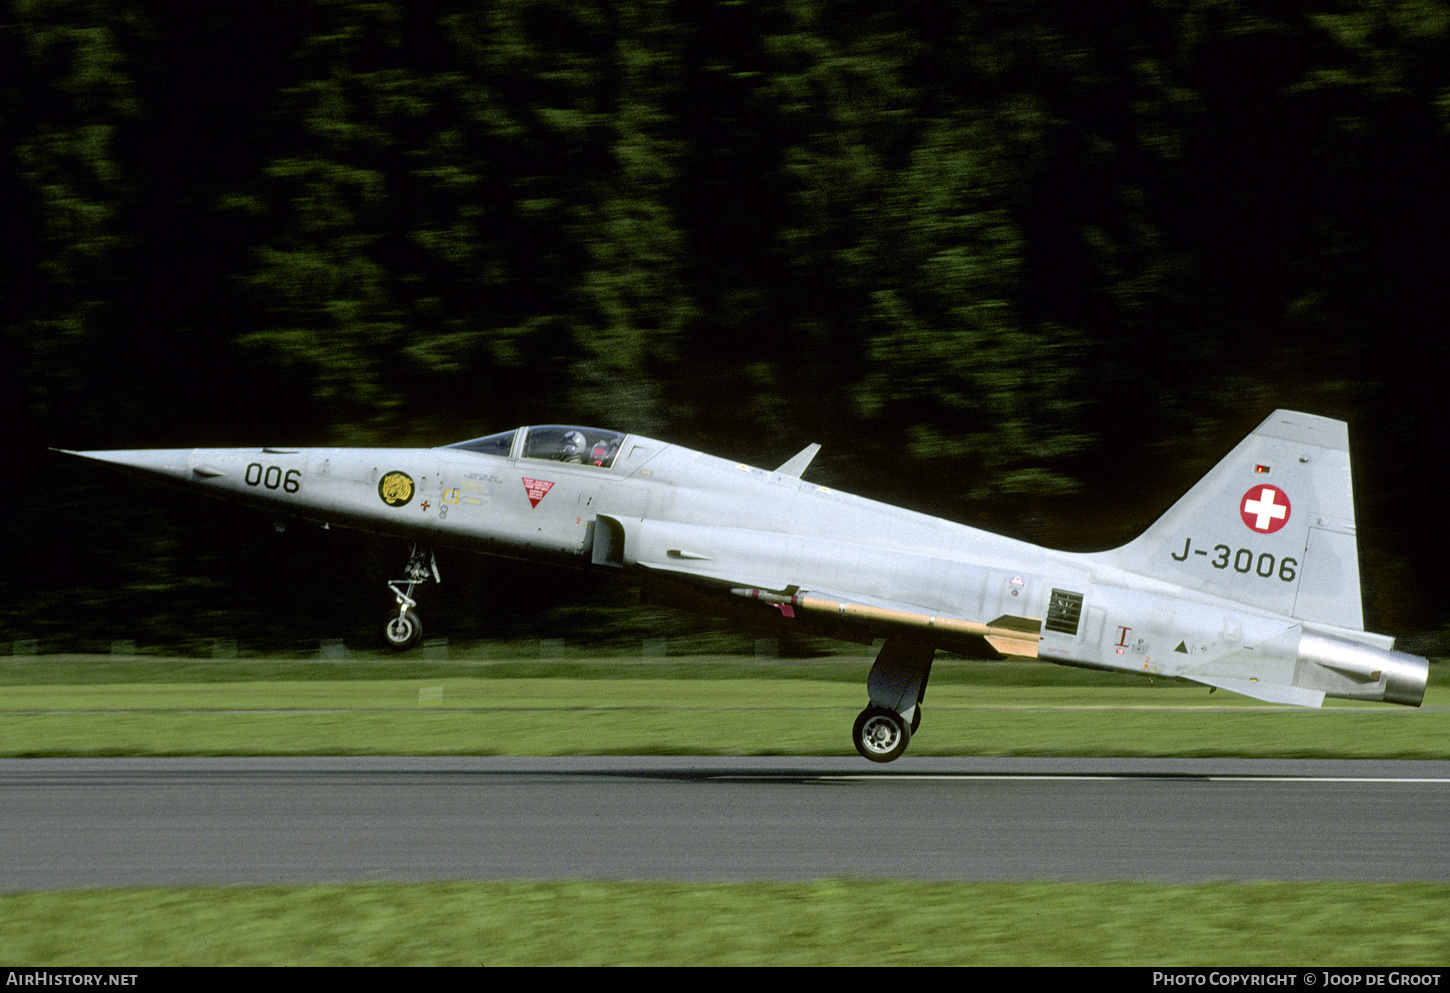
1271 526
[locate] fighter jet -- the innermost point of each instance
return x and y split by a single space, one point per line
1249 583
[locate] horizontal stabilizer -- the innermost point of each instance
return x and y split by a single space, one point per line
1271 692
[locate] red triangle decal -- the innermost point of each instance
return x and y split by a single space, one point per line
537 489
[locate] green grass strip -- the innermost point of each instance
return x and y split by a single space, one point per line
827 922
447 713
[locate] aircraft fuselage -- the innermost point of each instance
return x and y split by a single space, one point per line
1221 591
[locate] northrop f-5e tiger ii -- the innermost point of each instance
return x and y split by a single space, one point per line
1249 583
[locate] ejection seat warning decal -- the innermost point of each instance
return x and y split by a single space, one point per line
396 488
537 489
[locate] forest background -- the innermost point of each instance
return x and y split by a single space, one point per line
1031 266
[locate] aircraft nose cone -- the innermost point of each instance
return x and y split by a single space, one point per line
172 462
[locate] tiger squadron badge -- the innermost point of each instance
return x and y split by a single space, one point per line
396 488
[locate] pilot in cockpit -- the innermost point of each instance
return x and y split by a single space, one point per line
574 446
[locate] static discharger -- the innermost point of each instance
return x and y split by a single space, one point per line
1008 634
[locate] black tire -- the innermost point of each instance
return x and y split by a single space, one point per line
881 735
402 633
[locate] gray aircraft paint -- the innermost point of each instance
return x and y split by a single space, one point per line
1249 583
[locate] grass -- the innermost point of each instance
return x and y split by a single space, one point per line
707 706
827 922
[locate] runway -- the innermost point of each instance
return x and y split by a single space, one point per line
144 822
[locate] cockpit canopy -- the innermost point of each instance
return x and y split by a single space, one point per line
586 446
495 444
553 443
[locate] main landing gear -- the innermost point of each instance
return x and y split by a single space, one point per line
402 628
896 686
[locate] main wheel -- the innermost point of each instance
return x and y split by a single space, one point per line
402 633
880 734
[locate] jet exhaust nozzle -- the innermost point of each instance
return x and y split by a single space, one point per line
1353 671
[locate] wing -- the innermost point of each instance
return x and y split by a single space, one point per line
1009 634
834 584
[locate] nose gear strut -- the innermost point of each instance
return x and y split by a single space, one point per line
403 629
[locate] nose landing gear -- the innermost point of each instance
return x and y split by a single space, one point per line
402 628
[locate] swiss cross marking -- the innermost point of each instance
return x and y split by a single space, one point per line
537 489
1265 508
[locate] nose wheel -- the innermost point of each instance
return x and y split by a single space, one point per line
881 735
402 629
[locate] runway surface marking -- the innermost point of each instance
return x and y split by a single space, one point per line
1049 777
